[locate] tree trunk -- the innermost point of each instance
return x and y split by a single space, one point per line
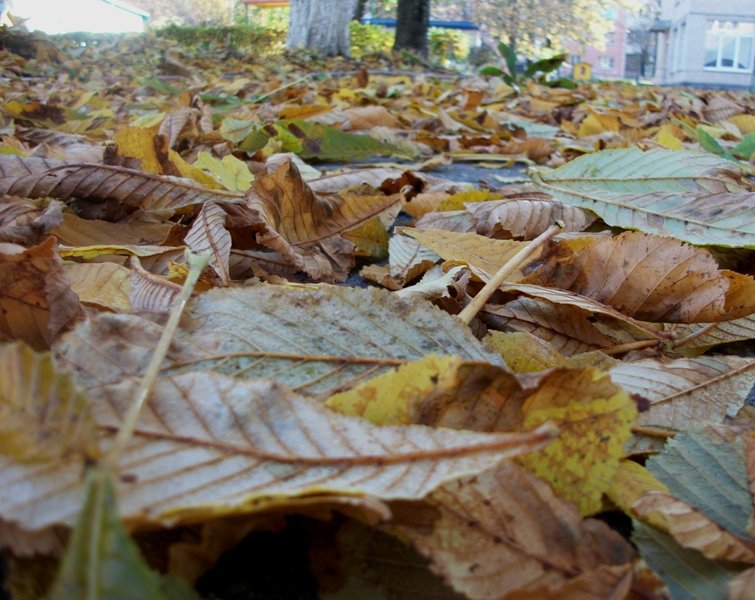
320 25
359 10
412 21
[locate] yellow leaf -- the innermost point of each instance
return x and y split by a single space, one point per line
456 202
524 352
229 171
596 123
139 143
370 239
595 418
629 483
667 139
389 398
43 415
103 284
745 123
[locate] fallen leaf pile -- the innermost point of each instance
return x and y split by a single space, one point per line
581 427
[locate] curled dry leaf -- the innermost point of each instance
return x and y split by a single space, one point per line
526 218
43 414
305 228
175 122
36 301
26 222
569 328
149 292
648 278
39 178
75 231
504 533
208 445
208 235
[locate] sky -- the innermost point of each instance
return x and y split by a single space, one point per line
57 16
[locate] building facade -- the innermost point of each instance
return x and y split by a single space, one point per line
706 43
608 60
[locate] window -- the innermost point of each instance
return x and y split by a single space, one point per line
728 46
605 62
611 38
679 48
575 59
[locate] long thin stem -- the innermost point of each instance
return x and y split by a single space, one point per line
471 309
197 263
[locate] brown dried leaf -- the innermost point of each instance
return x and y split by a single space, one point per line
526 218
693 529
24 222
38 178
503 533
305 228
149 292
208 445
208 235
649 278
175 122
36 302
705 389
75 231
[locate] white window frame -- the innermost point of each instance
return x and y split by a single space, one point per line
737 45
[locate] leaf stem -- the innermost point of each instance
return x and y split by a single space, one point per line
653 431
197 263
471 309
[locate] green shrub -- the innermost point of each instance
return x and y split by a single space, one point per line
447 44
369 39
245 39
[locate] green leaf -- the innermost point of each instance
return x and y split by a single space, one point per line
706 471
491 71
509 56
102 562
687 573
322 142
709 143
235 130
692 196
745 148
546 65
231 172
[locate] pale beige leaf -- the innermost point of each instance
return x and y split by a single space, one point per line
505 532
683 391
697 337
408 259
105 285
175 122
43 415
208 445
434 284
36 302
526 218
460 221
318 340
39 178
476 250
693 529
208 235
